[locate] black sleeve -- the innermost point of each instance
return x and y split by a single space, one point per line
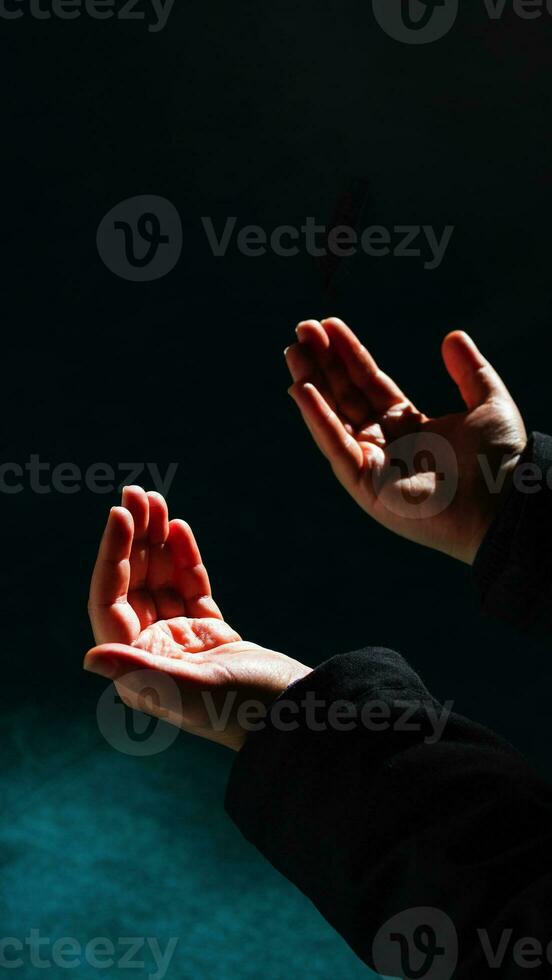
423 838
513 568
404 841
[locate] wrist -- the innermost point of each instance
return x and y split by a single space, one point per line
252 713
492 504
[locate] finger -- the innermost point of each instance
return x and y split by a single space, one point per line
110 577
136 501
350 401
300 362
190 576
147 682
158 524
304 368
477 380
109 613
160 570
312 332
380 390
166 687
313 348
329 433
114 660
111 659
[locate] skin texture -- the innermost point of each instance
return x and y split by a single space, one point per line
418 476
150 601
151 609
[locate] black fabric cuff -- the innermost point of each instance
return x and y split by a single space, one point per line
254 790
369 822
513 567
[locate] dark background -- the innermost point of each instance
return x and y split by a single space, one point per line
270 112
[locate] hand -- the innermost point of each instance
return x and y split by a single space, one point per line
151 609
436 481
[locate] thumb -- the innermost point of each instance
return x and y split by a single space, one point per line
156 685
475 377
114 660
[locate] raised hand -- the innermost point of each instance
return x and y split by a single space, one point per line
151 609
437 481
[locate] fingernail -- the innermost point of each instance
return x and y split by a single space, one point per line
286 350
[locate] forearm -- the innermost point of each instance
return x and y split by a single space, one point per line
387 817
418 807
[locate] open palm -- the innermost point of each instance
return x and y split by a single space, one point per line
436 481
151 610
